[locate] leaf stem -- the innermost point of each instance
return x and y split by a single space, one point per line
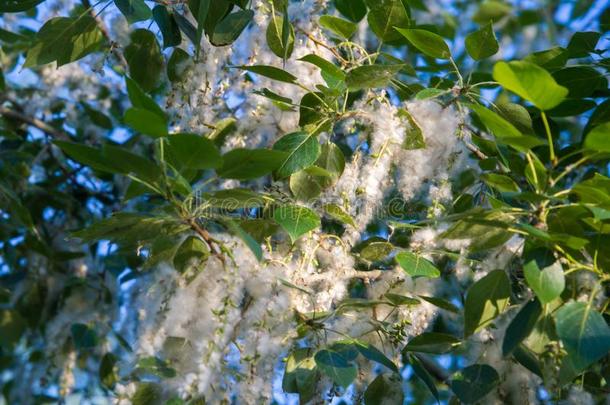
549 136
457 71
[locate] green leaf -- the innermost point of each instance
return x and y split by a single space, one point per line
551 59
517 115
331 159
421 372
154 366
581 81
122 227
527 359
572 108
595 190
371 76
191 151
282 102
376 251
325 66
310 109
275 37
186 27
168 26
414 136
146 122
112 159
296 220
432 92
87 155
126 162
355 10
384 390
248 164
599 138
339 26
337 213
139 99
372 353
531 82
504 131
500 182
271 72
432 342
302 150
474 382
398 300
301 374
12 327
134 10
179 65
231 27
486 299
16 6
521 326
147 393
427 42
441 303
416 266
64 40
491 10
201 14
161 249
335 366
236 198
384 15
548 283
485 229
252 244
83 336
217 10
346 348
584 333
192 252
108 370
482 44
583 43
97 117
144 58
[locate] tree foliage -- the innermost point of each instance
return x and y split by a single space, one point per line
354 187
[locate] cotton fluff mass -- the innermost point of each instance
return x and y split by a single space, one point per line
235 322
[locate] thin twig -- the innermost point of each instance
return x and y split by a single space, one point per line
209 240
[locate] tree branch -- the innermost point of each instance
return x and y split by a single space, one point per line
209 240
35 122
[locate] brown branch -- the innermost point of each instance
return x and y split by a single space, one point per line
323 45
475 150
209 240
35 122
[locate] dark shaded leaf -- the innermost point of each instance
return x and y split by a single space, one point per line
144 58
474 382
486 299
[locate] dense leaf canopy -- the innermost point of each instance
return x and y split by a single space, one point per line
304 201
